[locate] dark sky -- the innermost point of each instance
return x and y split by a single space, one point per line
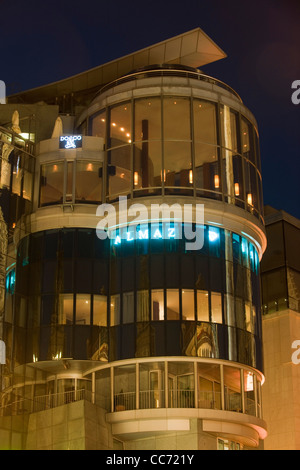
45 41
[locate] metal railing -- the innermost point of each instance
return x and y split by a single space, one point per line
170 72
44 402
148 399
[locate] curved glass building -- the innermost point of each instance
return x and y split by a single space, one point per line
149 342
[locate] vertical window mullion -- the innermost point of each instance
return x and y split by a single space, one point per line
162 146
193 144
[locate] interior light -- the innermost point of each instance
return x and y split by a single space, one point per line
113 124
136 178
122 129
191 176
212 236
217 181
127 135
89 167
249 199
237 189
103 120
55 168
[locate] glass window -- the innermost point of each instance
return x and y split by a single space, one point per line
245 252
249 320
207 169
238 177
119 170
65 309
233 178
157 305
17 175
176 112
240 313
128 307
172 304
151 377
178 164
214 241
236 247
247 140
88 182
216 307
120 125
83 309
27 185
124 388
232 383
115 310
100 310
188 304
202 306
98 124
52 184
251 186
205 127
249 393
147 165
69 189
147 119
143 305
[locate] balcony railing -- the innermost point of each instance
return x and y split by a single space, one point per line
44 402
148 399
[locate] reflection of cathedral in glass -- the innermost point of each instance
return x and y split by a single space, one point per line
134 324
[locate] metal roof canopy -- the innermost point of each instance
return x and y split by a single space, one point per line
193 48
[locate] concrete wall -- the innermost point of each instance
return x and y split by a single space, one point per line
76 426
281 397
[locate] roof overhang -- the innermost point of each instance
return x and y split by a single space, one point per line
193 49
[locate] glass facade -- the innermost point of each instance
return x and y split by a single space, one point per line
180 145
77 295
280 275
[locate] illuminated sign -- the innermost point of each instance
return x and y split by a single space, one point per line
157 234
70 141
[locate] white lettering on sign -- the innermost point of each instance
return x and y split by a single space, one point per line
70 141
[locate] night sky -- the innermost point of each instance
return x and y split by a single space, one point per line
46 41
